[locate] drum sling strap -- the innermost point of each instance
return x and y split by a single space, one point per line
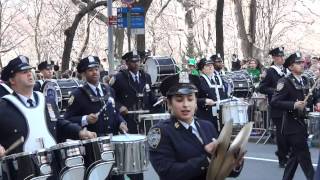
87 91
37 124
6 87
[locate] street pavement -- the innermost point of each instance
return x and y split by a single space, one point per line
260 164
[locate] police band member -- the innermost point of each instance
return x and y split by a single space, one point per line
289 97
268 86
93 104
218 71
28 114
133 93
180 147
46 70
207 93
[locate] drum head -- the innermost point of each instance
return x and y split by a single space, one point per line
151 68
128 138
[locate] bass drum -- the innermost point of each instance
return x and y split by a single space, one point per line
60 90
159 68
242 83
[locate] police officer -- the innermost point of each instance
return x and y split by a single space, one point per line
93 105
290 98
218 71
268 86
133 93
181 145
46 70
207 92
25 112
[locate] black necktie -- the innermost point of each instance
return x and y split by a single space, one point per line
98 92
190 129
136 82
30 102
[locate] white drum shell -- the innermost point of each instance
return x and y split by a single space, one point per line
235 111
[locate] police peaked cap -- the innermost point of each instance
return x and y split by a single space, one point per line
293 58
172 85
203 62
88 62
279 51
45 65
133 56
20 63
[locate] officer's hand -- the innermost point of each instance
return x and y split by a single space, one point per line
2 151
123 127
123 110
85 134
209 102
299 105
211 147
92 118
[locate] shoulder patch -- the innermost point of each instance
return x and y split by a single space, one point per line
154 137
112 80
280 85
70 101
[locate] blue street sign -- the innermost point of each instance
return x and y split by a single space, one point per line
137 17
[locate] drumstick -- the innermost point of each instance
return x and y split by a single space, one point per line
102 109
14 145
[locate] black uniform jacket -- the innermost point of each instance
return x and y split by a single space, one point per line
13 124
179 154
268 86
289 90
84 101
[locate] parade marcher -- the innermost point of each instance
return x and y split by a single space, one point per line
218 71
133 93
86 101
268 86
46 70
207 92
180 147
290 97
27 113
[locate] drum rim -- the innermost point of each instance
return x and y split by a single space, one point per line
314 113
95 139
130 140
13 156
66 144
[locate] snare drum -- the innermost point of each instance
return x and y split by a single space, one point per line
68 160
131 153
27 166
159 68
236 111
314 123
98 157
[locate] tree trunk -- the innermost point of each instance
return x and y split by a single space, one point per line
219 28
86 41
70 32
242 34
119 39
252 26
